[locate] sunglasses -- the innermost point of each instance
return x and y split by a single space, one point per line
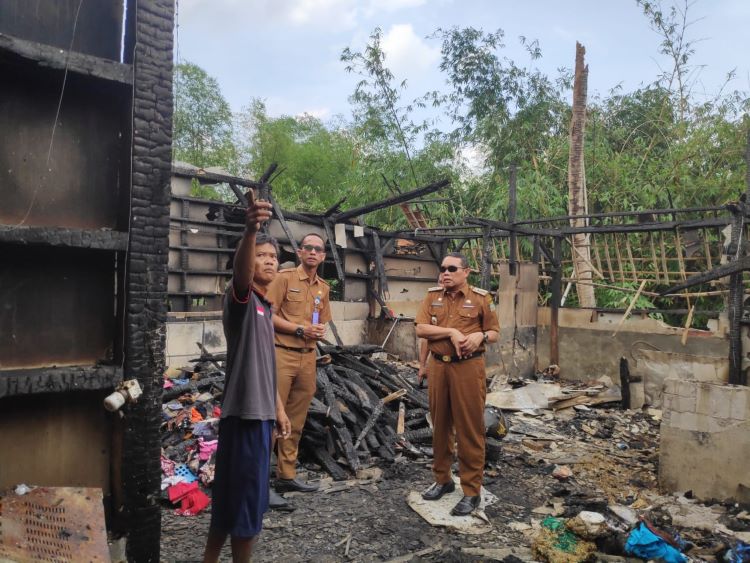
311 247
451 269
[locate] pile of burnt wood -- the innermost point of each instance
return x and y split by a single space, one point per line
364 408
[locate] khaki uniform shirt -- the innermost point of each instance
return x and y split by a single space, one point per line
469 309
294 299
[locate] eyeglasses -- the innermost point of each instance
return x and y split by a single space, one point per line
451 269
311 247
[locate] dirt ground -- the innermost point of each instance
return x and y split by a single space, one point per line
612 456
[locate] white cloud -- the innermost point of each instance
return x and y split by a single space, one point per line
318 113
331 14
374 6
406 52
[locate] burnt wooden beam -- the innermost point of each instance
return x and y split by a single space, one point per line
730 268
554 344
64 237
334 251
486 259
206 177
510 227
62 59
512 206
635 214
58 380
282 221
395 200
380 265
334 208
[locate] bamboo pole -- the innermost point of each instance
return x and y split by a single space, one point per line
686 330
657 270
664 257
630 256
609 259
630 307
619 258
707 250
680 257
597 256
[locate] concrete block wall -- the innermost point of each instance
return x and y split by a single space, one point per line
705 439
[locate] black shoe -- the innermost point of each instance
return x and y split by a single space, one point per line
466 506
294 485
437 490
277 502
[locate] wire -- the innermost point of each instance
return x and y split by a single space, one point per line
57 113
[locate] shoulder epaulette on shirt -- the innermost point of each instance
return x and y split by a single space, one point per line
324 281
480 291
436 288
284 270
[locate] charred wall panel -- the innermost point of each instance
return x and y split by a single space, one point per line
79 177
98 25
56 307
70 438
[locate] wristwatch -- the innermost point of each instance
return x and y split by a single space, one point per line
485 337
300 332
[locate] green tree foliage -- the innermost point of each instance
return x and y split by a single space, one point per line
202 120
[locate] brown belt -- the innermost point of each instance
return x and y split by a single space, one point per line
453 359
300 350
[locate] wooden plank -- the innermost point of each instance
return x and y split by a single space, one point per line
72 61
609 259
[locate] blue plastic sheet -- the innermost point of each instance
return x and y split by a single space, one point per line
642 542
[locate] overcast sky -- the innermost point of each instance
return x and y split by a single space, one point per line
287 51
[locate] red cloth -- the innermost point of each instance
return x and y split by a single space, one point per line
217 412
193 503
178 491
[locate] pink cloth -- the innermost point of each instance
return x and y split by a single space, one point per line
206 448
167 466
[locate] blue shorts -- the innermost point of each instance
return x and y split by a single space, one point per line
241 480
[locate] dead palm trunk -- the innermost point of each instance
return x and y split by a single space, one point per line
577 199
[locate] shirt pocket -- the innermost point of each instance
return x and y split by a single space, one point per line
469 317
295 304
437 313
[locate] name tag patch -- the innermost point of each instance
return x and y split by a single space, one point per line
295 290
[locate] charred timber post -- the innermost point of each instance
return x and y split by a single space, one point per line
554 349
487 243
512 208
736 294
284 225
395 200
625 383
146 283
334 251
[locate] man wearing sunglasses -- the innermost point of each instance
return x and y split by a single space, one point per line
301 310
458 321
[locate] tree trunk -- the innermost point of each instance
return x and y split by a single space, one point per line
577 199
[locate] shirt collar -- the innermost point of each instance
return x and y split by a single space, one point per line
463 289
303 275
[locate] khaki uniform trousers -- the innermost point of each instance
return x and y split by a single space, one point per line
457 392
295 380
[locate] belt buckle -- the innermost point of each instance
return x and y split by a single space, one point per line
446 359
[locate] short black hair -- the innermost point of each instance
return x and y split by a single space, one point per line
464 260
302 240
263 238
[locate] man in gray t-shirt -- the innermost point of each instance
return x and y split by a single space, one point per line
251 406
